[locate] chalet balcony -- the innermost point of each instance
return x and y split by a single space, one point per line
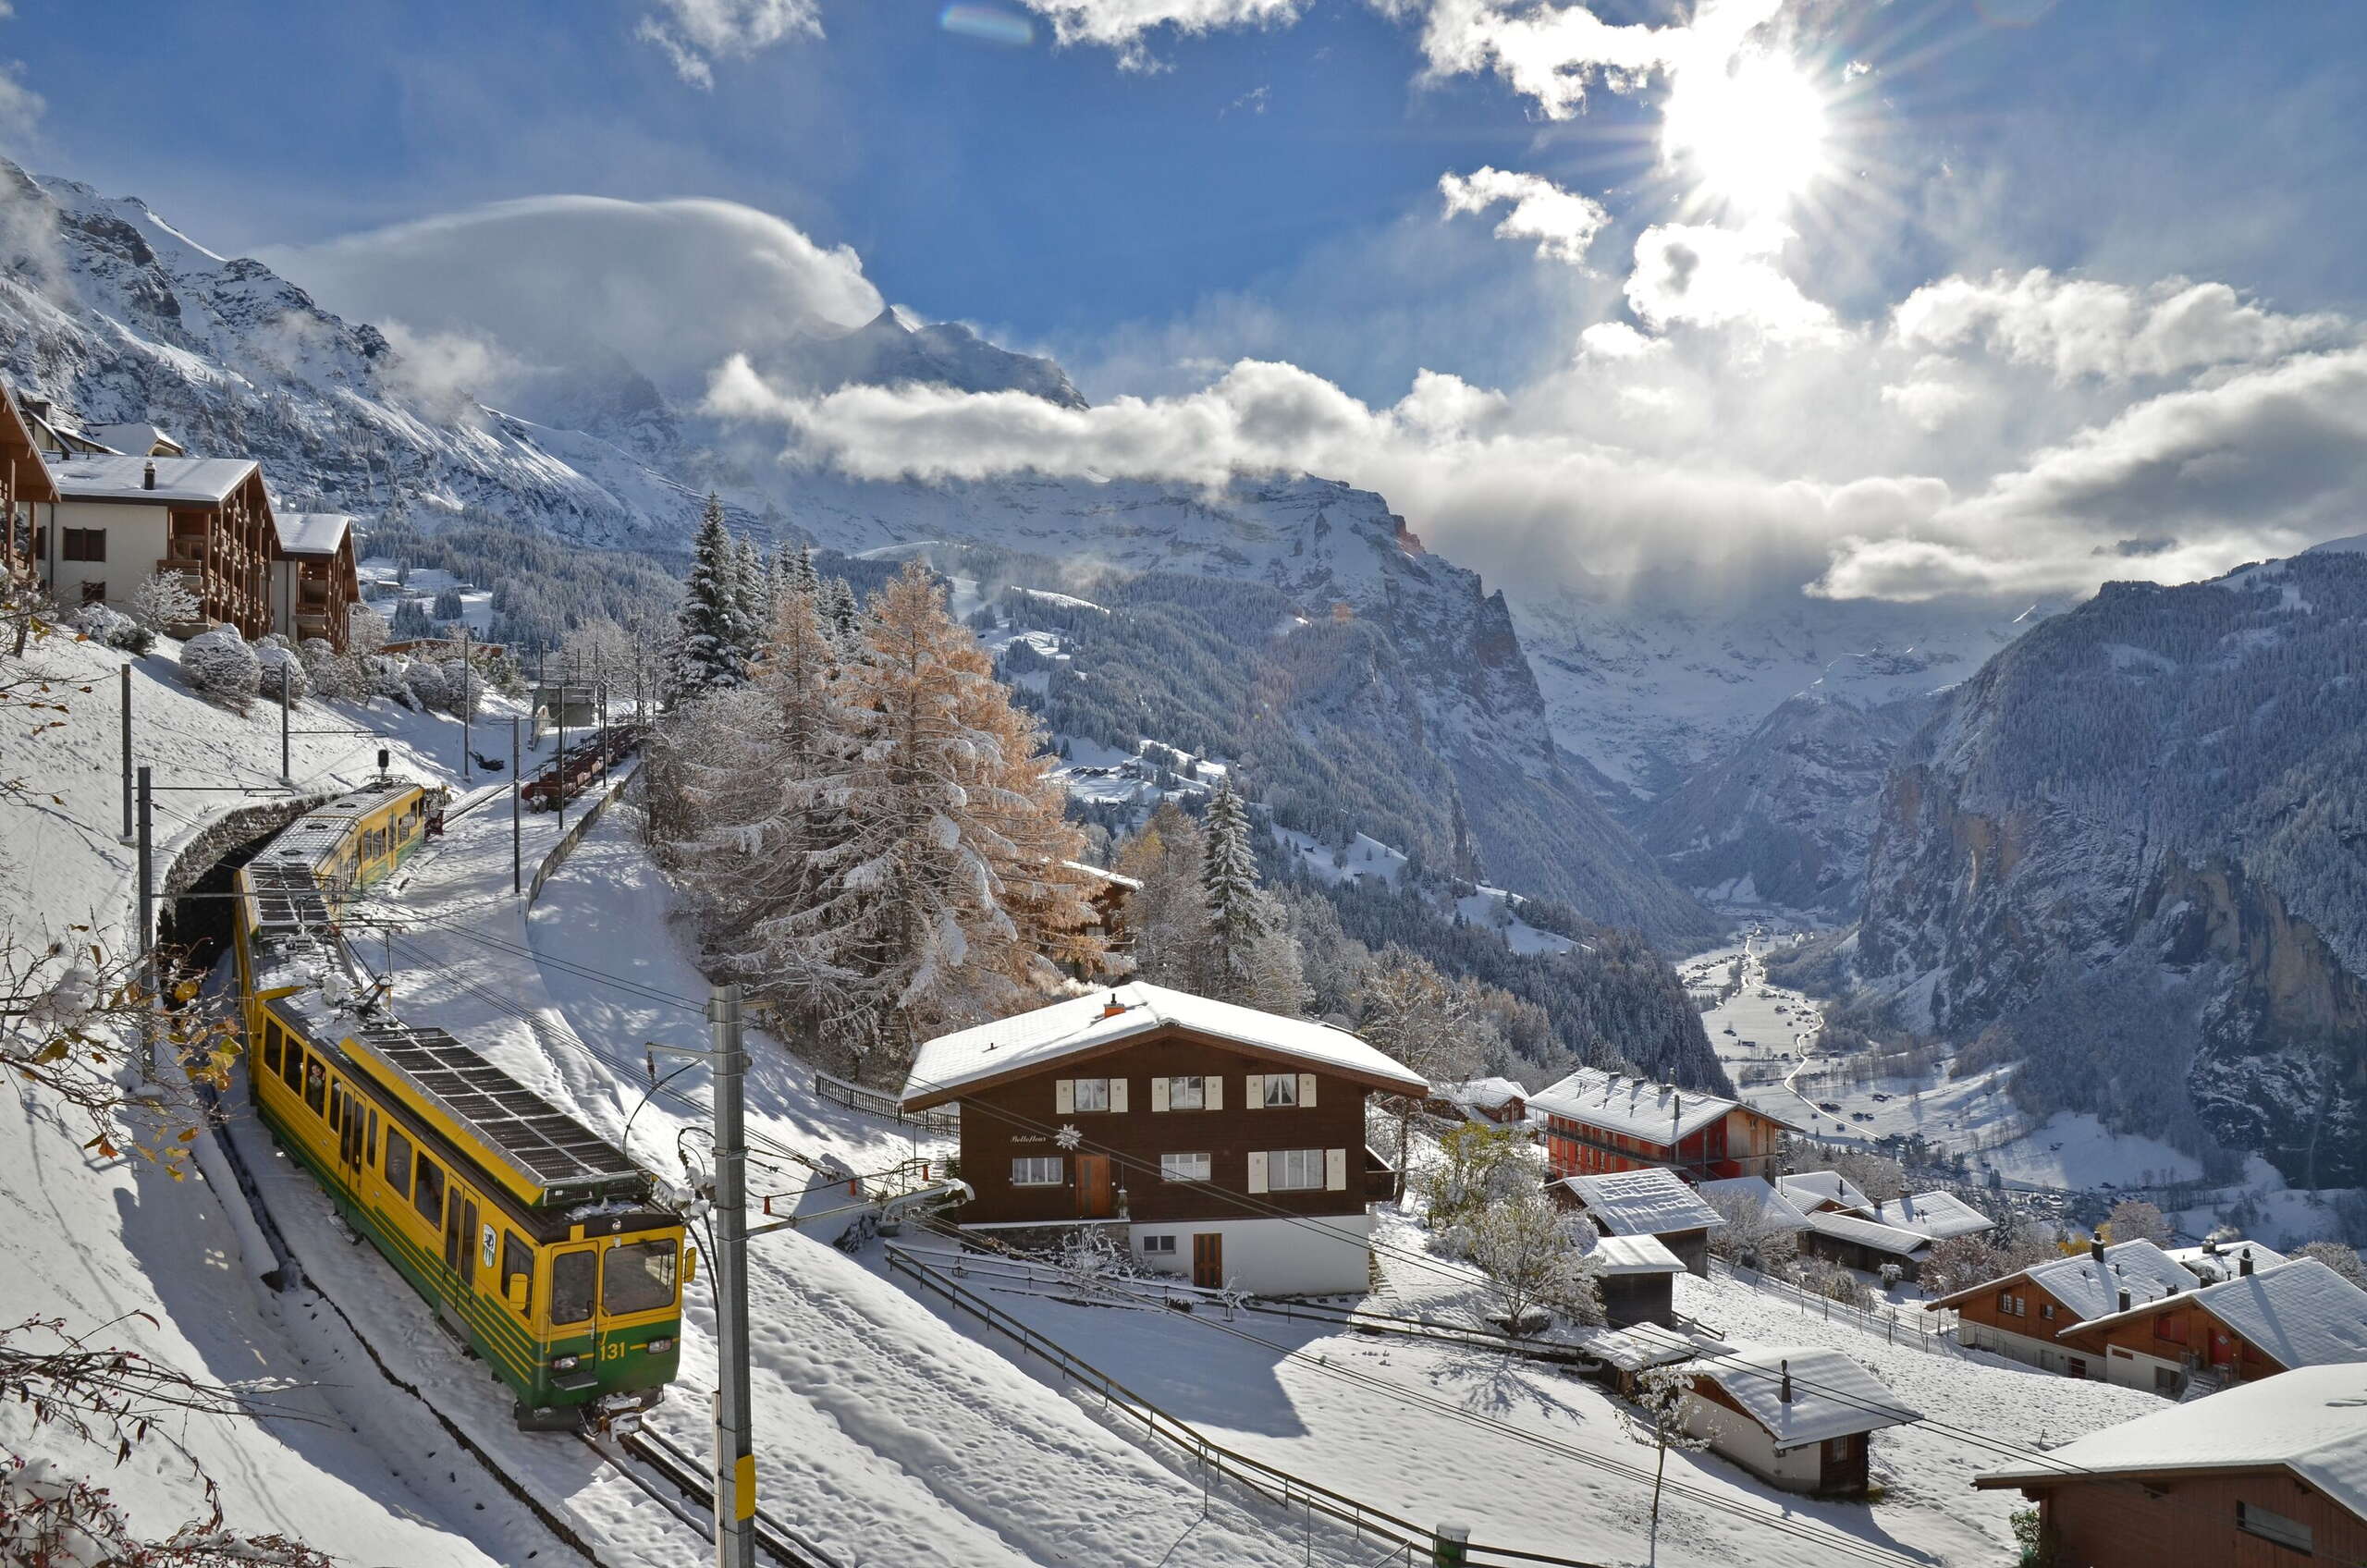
191 572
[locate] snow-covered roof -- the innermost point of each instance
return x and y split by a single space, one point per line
137 438
113 477
1634 1255
1808 1189
2143 1269
2301 1314
1486 1093
1642 1203
1106 1020
310 533
1868 1233
1832 1395
2213 1264
2311 1421
1649 1344
1773 1206
1936 1214
1103 873
1638 1107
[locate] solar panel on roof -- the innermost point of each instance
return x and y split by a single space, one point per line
544 1141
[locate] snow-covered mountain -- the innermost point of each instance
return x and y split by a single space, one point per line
2134 846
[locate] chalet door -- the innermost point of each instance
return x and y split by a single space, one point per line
1208 1260
1095 1197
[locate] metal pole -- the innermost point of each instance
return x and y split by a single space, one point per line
468 703
147 938
287 775
735 1461
517 790
604 734
126 752
558 761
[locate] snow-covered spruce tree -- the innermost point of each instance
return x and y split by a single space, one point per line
710 643
951 898
752 577
163 601
840 617
1248 953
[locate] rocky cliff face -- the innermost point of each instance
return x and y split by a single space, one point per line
2137 842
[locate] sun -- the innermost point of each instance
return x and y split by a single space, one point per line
1748 132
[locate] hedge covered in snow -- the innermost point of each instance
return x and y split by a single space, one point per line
220 664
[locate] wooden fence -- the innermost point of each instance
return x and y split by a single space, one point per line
946 1120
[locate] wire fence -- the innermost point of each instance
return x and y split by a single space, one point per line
1931 1332
1402 1540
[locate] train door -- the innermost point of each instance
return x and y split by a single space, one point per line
461 1236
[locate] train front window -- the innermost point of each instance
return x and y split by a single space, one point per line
571 1275
427 1192
638 1276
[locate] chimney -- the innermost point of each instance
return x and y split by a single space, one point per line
148 474
2123 1301
1113 1007
1785 1393
2096 1248
2244 1264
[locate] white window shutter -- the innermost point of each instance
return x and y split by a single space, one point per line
1256 1170
1158 1094
1335 1170
1253 1091
1117 1093
1214 1086
1064 1096
1306 1088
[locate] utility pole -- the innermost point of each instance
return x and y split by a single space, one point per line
558 760
517 790
127 752
287 775
735 1459
468 701
603 733
147 941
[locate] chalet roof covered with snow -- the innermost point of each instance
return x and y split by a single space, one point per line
1625 1256
1936 1214
1103 873
1868 1233
1649 1344
1761 1197
1832 1395
1638 1107
2311 1421
110 477
139 438
2143 1269
1642 1203
1486 1094
2301 1314
311 534
2225 1261
1806 1189
1110 1020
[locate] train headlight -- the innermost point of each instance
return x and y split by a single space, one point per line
659 1347
566 1363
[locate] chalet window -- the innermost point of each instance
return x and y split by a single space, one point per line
1159 1246
1281 1089
1070 1094
1180 1093
1294 1170
84 544
2170 1326
94 592
1038 1171
1092 1094
2255 1519
2047 1310
1184 1167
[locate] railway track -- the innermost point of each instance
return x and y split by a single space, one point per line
678 1482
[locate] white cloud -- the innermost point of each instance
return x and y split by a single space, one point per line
2079 327
1552 54
1929 402
1124 25
1709 276
1564 223
673 286
1617 340
695 33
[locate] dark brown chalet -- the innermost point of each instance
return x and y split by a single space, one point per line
1218 1141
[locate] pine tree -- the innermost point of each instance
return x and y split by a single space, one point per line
1238 919
841 619
711 639
753 585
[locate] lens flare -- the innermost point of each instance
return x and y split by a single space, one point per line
1750 135
991 24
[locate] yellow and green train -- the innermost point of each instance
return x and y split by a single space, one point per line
536 1242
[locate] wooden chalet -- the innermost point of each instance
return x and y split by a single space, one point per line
2254 1326
1637 1277
1651 1201
1868 1244
25 485
2270 1475
314 585
1218 1141
121 519
1796 1417
1597 1122
2025 1315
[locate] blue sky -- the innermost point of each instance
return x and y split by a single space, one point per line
1272 192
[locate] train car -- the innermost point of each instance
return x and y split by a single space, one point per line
535 1242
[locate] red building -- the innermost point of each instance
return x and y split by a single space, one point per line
1597 1122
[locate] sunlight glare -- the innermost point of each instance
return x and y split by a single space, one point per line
1750 132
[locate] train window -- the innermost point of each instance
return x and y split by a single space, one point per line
638 1276
316 1086
337 1107
270 1047
397 1161
291 1066
427 1192
518 1270
370 1140
571 1287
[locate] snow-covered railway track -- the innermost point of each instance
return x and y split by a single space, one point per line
647 1451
